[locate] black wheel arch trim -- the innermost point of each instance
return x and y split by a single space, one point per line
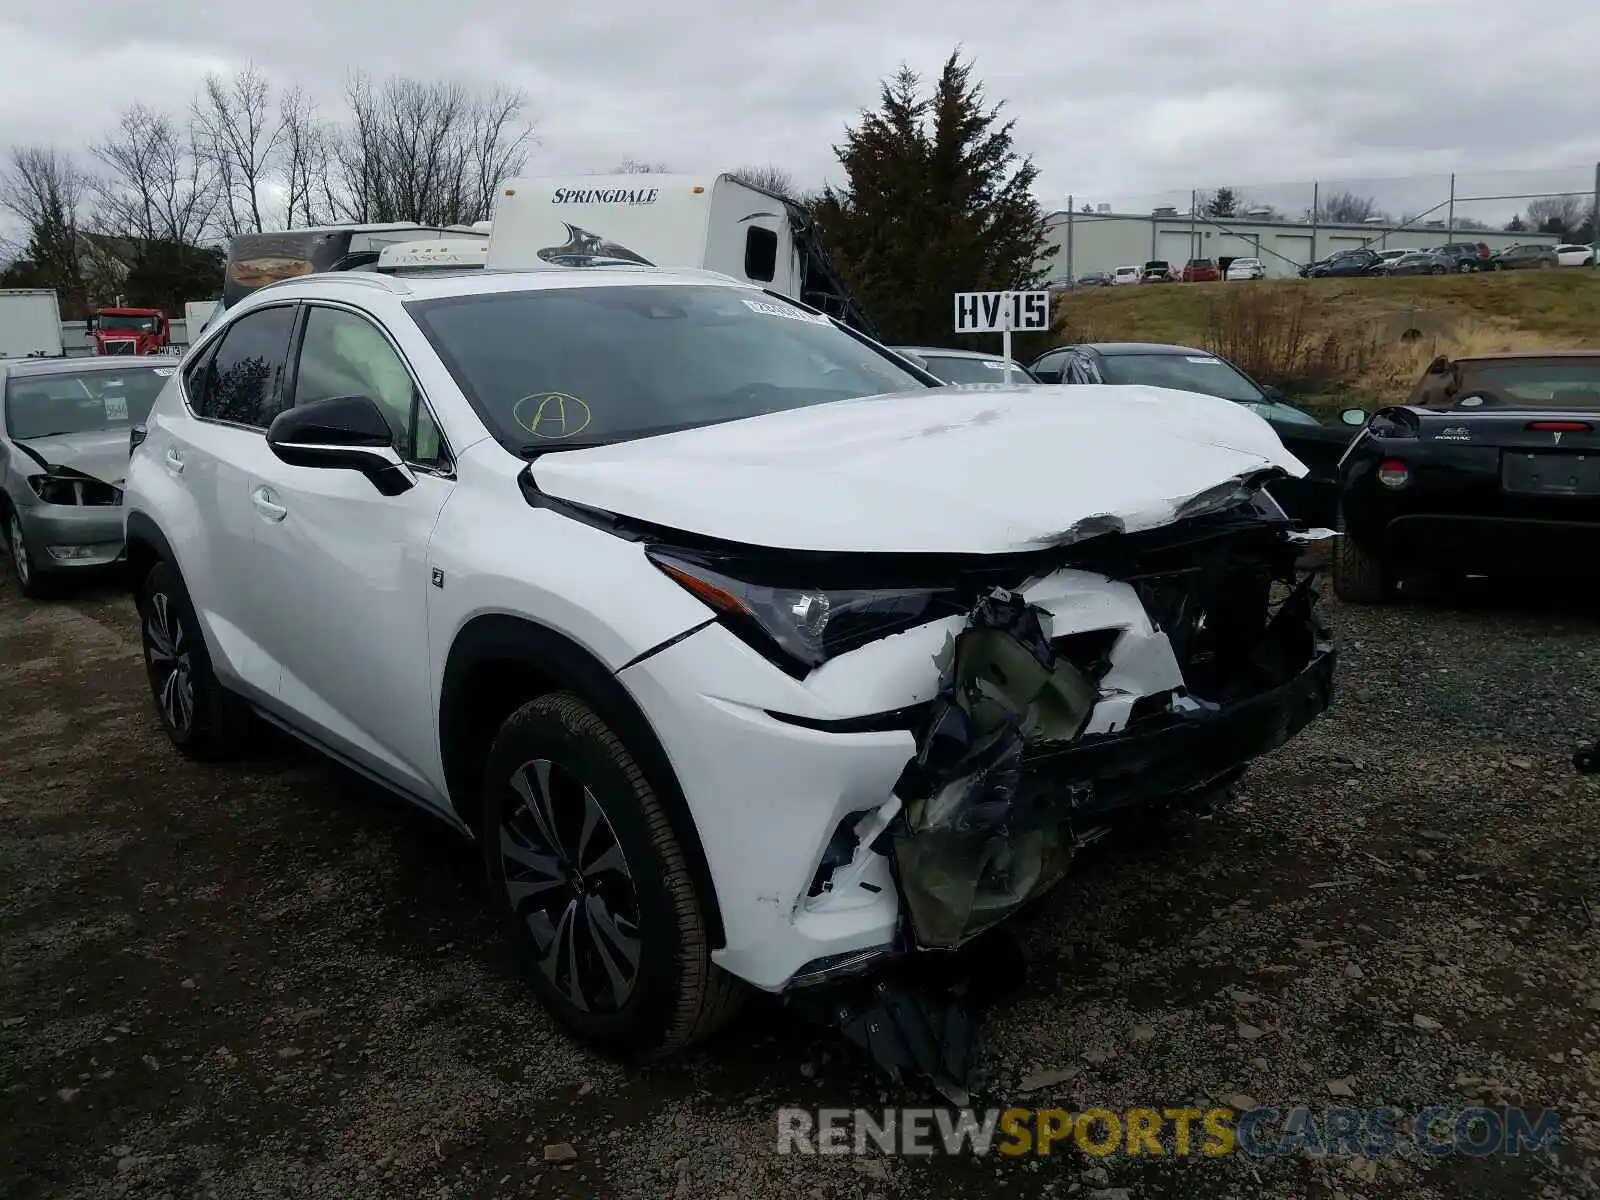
513 640
141 528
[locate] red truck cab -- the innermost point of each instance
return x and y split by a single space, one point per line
130 331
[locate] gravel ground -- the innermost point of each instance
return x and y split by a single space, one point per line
270 980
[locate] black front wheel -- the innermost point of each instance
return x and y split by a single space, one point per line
595 886
202 718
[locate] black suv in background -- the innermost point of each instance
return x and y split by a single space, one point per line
1469 256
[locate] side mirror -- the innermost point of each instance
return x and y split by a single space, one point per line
916 360
88 324
346 433
1354 416
1439 366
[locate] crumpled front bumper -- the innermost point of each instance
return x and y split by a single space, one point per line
841 817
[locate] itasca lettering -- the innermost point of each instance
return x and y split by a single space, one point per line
605 196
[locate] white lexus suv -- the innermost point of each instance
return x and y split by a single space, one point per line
749 654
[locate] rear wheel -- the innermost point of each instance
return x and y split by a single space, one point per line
1359 577
595 885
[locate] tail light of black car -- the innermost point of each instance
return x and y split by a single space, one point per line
1393 473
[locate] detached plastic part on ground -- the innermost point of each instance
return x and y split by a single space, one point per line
1005 787
1587 759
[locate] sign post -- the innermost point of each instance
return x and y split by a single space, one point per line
1001 312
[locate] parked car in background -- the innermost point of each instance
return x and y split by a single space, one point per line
64 427
1346 263
1057 285
1124 275
965 366
1491 467
1317 444
1522 258
1095 279
1247 268
1468 256
1157 270
1571 255
1201 270
1386 257
1420 262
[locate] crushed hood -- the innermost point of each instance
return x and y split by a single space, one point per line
944 470
103 455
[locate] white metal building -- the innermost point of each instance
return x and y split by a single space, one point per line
1104 241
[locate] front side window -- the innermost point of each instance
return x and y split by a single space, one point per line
1203 373
62 403
567 366
344 354
242 381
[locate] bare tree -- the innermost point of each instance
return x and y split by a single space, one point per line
302 158
1346 208
45 190
238 134
1560 215
160 187
768 178
427 152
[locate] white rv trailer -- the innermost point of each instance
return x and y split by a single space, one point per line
710 222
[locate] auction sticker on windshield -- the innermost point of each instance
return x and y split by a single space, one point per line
783 310
116 407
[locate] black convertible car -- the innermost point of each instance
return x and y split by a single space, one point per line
1311 500
1491 467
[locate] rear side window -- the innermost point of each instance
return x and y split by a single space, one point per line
242 380
760 254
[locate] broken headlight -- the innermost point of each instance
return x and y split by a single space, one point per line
73 490
801 628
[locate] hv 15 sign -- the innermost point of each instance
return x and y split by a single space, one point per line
1002 312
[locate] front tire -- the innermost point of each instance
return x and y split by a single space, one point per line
1358 577
202 718
25 573
595 885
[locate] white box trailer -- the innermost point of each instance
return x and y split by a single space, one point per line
196 315
30 324
710 222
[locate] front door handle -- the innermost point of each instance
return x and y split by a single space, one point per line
267 505
174 460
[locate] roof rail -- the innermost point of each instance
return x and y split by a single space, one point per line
359 275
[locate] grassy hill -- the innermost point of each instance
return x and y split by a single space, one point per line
1337 341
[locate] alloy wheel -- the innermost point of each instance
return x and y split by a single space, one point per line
19 550
568 881
170 665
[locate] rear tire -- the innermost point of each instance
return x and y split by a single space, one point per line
1358 577
202 718
595 886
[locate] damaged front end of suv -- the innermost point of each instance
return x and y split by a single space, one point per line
1013 707
1111 674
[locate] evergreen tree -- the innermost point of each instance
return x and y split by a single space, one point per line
1224 202
937 202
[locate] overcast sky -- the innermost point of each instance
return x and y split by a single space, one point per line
1116 102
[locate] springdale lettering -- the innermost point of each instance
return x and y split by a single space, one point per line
605 195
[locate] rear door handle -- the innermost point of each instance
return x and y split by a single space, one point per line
174 460
267 505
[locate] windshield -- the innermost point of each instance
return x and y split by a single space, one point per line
1203 373
1567 383
579 365
63 403
143 324
1277 410
975 370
